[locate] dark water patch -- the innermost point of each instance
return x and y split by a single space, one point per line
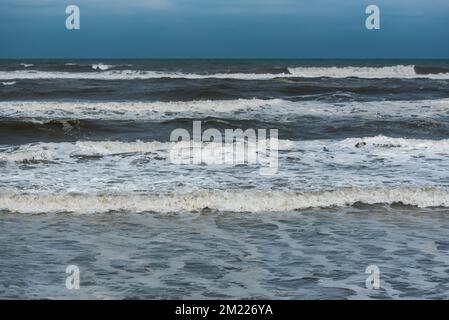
430 70
188 66
166 89
15 131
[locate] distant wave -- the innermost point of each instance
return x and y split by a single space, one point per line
252 108
399 71
101 66
10 83
27 65
235 201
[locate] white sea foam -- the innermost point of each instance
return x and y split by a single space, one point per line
127 110
304 165
101 66
378 144
37 152
8 83
236 200
27 65
399 71
398 143
247 108
127 168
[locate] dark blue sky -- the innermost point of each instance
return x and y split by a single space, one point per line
224 29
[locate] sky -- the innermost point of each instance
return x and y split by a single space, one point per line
321 29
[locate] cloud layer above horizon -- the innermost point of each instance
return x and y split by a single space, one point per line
224 29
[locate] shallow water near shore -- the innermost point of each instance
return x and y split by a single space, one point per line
306 254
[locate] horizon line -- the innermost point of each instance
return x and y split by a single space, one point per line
214 58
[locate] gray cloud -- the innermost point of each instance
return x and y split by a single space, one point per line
222 7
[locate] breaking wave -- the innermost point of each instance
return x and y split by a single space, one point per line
235 201
399 71
372 145
127 110
166 110
400 143
101 66
43 152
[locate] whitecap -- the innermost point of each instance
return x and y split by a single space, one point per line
232 200
26 65
9 83
399 71
101 66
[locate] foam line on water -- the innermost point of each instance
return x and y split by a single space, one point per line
398 71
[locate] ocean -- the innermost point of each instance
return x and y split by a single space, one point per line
360 179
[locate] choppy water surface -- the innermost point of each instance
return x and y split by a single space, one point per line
293 255
87 178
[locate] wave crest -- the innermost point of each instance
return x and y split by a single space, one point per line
256 108
101 66
399 71
235 201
